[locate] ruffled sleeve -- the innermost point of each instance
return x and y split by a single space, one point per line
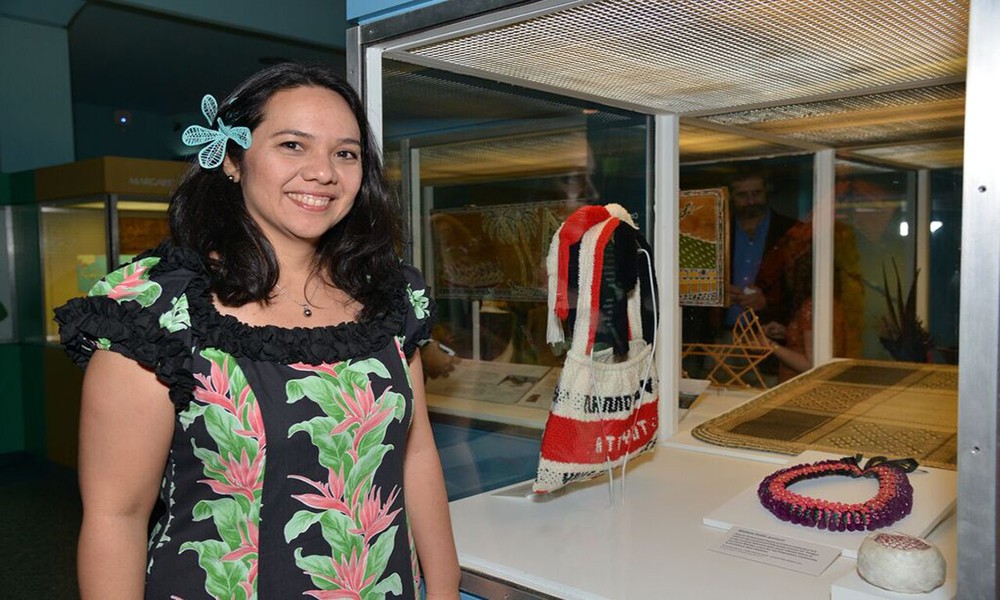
421 310
140 311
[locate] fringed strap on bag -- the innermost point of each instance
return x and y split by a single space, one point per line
558 258
557 266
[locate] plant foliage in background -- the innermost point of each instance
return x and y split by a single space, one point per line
901 332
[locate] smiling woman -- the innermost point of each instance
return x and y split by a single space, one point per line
258 374
301 177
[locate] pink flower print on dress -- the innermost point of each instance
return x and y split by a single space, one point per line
249 414
361 408
350 578
239 477
373 516
251 542
250 537
130 283
326 369
332 497
214 389
235 470
128 286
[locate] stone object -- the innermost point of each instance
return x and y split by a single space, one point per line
900 562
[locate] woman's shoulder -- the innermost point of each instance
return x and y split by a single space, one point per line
143 281
141 310
410 276
420 309
155 286
169 259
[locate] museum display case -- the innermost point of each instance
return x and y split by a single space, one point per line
490 183
872 100
95 215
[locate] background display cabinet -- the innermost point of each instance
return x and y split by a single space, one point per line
93 216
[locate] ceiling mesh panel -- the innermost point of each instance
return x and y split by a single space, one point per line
699 145
899 117
689 56
411 91
943 154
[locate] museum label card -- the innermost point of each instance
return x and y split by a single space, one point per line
778 551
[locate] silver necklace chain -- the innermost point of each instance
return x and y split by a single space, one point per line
306 307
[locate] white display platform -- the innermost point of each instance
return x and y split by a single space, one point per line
934 493
577 546
853 587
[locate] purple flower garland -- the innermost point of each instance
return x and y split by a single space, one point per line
893 501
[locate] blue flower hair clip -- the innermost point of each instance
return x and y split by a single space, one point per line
211 155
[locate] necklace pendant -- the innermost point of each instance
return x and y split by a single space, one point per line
306 311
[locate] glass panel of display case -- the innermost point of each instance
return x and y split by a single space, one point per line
767 254
495 176
945 250
876 206
142 224
74 251
75 242
6 275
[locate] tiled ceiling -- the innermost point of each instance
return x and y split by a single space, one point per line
880 79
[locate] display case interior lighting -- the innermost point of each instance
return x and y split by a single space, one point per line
123 205
69 208
515 156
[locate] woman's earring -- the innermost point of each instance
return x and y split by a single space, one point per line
231 178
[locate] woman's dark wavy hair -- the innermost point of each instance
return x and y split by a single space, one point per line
208 215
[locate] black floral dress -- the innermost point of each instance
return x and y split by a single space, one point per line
284 477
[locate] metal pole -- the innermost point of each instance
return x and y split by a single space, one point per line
823 255
666 192
922 233
979 324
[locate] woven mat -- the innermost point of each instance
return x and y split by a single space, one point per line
851 406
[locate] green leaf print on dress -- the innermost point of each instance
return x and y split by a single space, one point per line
130 282
234 471
160 534
178 317
353 514
419 301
